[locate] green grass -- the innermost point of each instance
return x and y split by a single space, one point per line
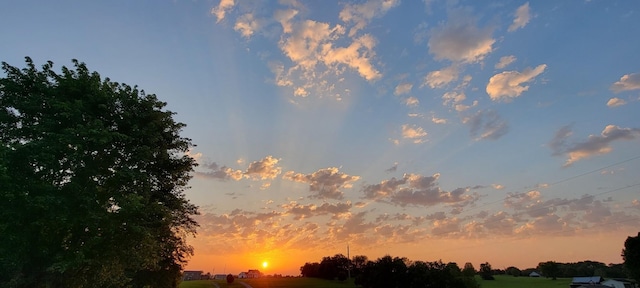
504 281
197 284
297 282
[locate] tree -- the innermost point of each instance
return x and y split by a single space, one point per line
631 256
230 278
468 270
485 271
513 271
92 175
549 269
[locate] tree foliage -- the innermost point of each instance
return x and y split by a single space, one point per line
485 271
389 272
631 256
549 269
92 174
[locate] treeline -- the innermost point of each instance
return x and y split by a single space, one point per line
389 272
551 269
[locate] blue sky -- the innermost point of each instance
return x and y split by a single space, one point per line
454 130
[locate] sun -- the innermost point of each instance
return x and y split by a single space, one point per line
265 264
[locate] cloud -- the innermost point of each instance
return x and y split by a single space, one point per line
523 15
460 40
312 210
440 78
246 25
403 88
357 56
284 17
264 169
559 142
505 61
412 101
507 85
361 14
437 120
222 8
627 82
393 168
325 183
415 190
599 144
615 102
455 99
486 125
413 133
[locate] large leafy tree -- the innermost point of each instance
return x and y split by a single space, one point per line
92 175
631 256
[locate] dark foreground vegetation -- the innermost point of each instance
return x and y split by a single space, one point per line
92 174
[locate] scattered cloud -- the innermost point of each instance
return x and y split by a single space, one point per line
522 17
416 190
440 78
265 169
486 125
414 133
460 40
505 61
393 168
412 101
595 144
626 83
222 8
324 183
361 14
507 85
246 25
437 120
615 102
403 88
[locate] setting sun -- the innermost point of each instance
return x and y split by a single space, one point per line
265 264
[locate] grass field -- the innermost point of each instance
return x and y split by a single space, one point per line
501 281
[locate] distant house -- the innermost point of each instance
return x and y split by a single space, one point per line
584 281
253 274
191 275
220 277
534 274
619 283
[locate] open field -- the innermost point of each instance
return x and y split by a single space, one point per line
501 281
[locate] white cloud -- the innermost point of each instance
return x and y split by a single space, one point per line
505 61
361 14
357 56
460 40
263 169
522 17
414 133
285 17
403 88
507 85
627 82
246 25
615 102
437 120
440 78
412 101
222 8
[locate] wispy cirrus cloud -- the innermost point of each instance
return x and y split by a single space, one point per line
522 17
505 61
413 133
486 125
616 102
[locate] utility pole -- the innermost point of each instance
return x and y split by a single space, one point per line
349 267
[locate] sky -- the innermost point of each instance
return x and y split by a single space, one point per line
505 132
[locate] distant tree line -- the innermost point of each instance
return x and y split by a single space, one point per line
389 272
